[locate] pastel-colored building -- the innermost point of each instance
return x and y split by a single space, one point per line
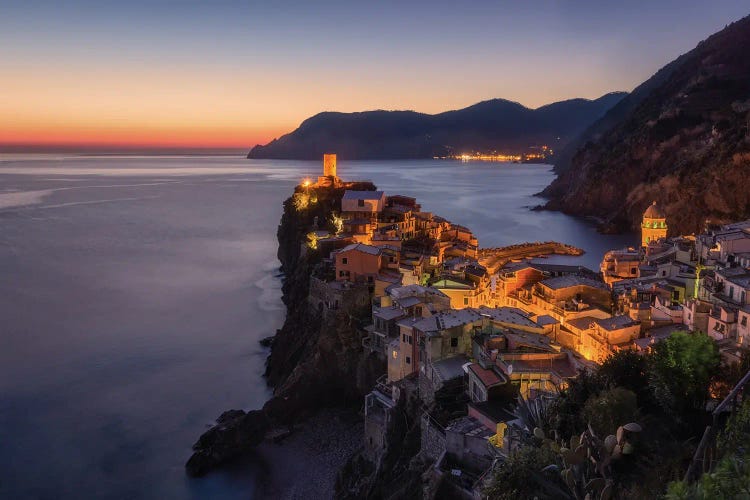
358 262
743 326
362 203
620 264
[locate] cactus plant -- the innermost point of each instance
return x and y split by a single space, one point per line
587 463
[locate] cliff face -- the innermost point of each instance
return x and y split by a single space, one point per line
322 354
682 138
494 124
317 360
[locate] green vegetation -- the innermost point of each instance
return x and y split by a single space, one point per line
731 477
627 429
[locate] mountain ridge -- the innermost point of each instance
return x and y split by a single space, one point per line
492 124
682 137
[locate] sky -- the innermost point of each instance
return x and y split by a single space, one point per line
226 74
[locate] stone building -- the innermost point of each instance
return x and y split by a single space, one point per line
654 225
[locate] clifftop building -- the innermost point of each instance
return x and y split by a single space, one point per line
329 176
654 225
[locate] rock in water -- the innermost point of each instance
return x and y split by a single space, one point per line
235 433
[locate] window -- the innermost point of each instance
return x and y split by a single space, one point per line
344 260
454 341
731 292
633 270
466 301
743 322
408 360
360 203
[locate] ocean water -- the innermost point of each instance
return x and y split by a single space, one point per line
134 291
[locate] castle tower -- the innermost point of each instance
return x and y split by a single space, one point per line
329 165
654 225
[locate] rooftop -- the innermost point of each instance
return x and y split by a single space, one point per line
387 313
569 281
363 195
616 323
497 411
361 247
654 211
489 378
448 319
561 366
546 319
582 323
450 368
510 315
469 426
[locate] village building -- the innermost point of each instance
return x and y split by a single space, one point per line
695 314
601 337
620 264
654 225
743 326
399 302
567 297
358 262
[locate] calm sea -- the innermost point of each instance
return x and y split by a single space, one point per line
134 290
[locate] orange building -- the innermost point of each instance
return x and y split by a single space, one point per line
358 262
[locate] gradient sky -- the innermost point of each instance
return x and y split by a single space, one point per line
236 73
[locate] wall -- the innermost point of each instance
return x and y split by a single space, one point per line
433 439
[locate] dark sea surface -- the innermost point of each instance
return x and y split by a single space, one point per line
134 291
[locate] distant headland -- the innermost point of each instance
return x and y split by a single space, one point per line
497 126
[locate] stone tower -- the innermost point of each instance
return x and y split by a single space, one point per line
329 165
654 225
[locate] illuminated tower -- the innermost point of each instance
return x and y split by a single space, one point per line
654 226
329 165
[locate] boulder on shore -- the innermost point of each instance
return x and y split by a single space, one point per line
235 433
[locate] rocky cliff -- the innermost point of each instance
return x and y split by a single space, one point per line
497 124
682 138
316 361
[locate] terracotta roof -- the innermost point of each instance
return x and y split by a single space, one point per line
488 377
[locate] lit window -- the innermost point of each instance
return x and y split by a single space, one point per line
395 354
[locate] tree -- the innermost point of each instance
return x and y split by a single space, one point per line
567 416
681 368
735 438
628 369
609 409
526 474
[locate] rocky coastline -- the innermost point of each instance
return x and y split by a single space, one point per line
318 364
315 362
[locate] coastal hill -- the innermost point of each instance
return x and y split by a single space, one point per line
681 137
496 124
